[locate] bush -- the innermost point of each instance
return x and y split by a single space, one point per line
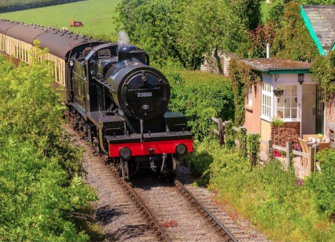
322 183
40 172
200 96
282 206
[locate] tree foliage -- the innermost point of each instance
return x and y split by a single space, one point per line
40 172
259 38
186 30
292 40
200 96
323 70
154 26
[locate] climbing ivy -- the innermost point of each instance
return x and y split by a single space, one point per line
229 135
253 148
242 77
323 70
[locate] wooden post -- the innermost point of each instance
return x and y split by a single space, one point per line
220 127
269 149
312 151
288 153
219 131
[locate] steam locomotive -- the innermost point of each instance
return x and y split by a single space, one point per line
117 101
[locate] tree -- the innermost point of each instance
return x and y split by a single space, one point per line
186 30
292 40
154 26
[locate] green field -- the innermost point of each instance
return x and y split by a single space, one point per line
95 14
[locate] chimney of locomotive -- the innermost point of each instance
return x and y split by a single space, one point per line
124 52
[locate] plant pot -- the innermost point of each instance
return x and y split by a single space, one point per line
278 92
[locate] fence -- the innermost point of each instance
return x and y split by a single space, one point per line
307 160
239 143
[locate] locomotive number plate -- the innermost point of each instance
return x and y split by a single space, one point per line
144 94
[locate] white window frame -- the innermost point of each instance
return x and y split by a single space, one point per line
267 93
297 119
274 104
250 96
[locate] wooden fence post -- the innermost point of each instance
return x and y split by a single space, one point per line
220 127
219 131
269 149
243 141
288 153
312 152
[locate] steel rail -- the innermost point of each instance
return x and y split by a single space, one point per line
140 202
204 209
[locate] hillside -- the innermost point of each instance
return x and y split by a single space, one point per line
95 14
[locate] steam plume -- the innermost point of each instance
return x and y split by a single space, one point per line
123 38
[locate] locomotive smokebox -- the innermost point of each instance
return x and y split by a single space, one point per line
139 90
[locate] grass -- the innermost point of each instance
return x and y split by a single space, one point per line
95 14
271 198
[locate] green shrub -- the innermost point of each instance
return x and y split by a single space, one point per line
282 206
200 96
323 183
40 172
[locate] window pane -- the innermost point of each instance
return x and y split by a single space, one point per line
294 113
287 113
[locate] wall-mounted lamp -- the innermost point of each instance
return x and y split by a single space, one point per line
301 78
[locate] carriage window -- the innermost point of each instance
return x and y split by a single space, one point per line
104 54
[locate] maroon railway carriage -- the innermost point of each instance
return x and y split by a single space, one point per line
117 101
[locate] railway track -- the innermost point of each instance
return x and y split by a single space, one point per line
165 228
152 209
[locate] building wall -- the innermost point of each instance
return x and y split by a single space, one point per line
330 117
265 133
253 113
265 130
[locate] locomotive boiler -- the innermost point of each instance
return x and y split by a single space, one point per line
117 101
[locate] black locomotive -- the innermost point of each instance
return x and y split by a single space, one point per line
115 98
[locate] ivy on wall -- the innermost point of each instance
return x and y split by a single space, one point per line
323 70
242 77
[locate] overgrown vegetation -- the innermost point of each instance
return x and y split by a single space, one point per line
284 207
292 40
186 30
242 77
200 96
40 171
323 70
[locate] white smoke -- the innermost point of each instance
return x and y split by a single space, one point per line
123 38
